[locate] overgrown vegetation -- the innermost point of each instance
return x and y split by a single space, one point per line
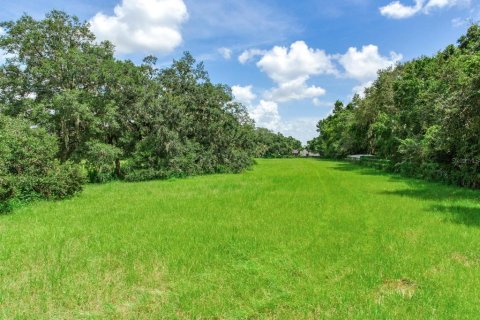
274 145
422 116
28 167
116 119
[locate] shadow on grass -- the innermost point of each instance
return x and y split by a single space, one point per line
468 215
416 188
464 215
357 168
431 191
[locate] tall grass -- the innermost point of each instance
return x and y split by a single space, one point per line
291 239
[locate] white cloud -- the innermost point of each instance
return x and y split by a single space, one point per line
303 128
299 61
294 90
244 94
151 26
226 53
266 115
360 89
291 68
248 55
364 64
397 10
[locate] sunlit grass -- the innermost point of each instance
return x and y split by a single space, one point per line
294 239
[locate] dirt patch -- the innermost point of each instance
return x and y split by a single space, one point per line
405 288
464 260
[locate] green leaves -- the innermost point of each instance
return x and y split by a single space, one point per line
28 167
423 115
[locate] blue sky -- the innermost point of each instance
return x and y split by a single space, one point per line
287 61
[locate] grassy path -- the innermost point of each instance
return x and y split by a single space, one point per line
291 239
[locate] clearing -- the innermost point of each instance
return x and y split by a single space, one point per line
294 239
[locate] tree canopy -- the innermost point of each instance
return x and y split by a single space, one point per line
423 116
114 118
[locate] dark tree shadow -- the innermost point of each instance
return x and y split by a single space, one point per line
369 171
468 216
435 192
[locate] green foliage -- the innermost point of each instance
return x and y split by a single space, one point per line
422 116
101 161
28 167
99 111
194 127
274 145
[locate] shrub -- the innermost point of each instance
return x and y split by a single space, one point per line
28 168
137 175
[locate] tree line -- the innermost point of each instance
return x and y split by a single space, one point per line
422 116
71 111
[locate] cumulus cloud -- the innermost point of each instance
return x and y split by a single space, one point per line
294 90
151 26
248 55
243 94
266 115
397 10
364 64
299 61
226 53
291 68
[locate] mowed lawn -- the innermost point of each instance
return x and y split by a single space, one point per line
290 239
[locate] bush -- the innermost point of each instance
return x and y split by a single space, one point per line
28 168
137 175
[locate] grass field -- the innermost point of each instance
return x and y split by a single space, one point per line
290 239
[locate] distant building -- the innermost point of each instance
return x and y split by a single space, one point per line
305 153
296 153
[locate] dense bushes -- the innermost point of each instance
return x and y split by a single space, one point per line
423 116
28 167
194 126
74 104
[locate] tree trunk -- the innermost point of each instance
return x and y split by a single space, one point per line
117 168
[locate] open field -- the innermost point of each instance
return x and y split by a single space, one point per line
290 239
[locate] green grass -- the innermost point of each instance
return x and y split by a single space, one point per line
291 239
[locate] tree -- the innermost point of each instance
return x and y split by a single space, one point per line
28 168
423 116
